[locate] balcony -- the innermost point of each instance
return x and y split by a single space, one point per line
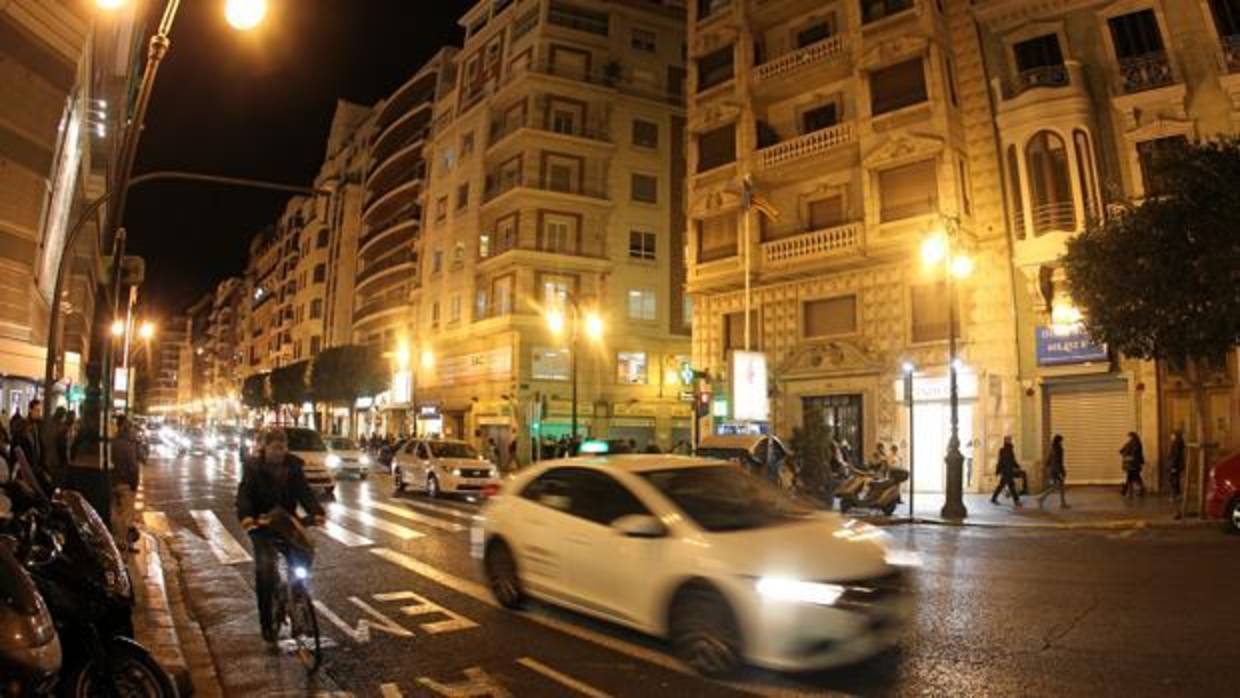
1148 72
611 77
788 70
1042 76
584 135
526 255
409 216
709 10
812 246
397 150
499 186
811 144
405 258
383 205
1055 216
380 306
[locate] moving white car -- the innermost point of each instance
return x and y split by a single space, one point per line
345 458
696 551
308 445
442 466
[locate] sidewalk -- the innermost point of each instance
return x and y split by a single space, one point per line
1090 507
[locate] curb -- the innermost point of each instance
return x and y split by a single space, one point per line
1110 525
198 657
155 624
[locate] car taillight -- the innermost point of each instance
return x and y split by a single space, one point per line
489 491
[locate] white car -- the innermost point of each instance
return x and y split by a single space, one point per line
698 552
345 458
443 466
307 445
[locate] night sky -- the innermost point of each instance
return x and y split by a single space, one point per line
258 105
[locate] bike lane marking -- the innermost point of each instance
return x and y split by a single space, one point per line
581 687
404 513
226 548
375 522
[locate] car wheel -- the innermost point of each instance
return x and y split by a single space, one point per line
1233 516
704 632
432 486
501 570
398 480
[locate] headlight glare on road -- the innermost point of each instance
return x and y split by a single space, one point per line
333 461
794 590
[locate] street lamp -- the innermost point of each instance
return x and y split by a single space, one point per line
118 328
244 15
146 331
942 248
556 321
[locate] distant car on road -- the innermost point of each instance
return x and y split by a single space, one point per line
345 458
442 466
719 563
307 445
1223 495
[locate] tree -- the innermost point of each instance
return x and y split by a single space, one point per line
345 373
288 384
256 391
1161 280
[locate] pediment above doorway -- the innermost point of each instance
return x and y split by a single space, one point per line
815 359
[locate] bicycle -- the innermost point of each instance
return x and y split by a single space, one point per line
292 603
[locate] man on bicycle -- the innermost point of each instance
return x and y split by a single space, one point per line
272 478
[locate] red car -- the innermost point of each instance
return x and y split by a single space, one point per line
1223 496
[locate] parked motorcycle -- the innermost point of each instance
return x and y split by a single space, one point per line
30 655
881 493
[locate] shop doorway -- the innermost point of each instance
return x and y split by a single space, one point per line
932 424
843 418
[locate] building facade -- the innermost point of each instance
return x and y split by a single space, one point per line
163 396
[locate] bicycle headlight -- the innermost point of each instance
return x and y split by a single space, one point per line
300 572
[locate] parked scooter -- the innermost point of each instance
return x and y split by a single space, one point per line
881 494
29 646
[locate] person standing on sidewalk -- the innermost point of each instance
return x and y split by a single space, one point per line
1175 463
1133 458
1006 470
126 474
1056 474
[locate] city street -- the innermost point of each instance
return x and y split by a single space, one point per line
1001 611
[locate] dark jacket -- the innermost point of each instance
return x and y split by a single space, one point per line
26 438
1054 463
1132 455
1175 458
125 467
1007 461
265 486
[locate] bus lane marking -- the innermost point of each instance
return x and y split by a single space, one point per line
424 606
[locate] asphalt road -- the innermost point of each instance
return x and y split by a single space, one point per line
1000 611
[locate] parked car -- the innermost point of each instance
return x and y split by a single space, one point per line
345 458
748 450
308 445
442 466
1223 495
723 565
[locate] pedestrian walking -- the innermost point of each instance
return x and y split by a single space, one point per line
126 475
492 452
511 464
26 436
1056 474
1006 469
1175 463
51 436
1132 458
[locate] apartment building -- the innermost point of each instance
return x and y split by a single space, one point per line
345 164
193 385
1086 95
556 174
163 386
223 356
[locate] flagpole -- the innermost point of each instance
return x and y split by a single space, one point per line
746 201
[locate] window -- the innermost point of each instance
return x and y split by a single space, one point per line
1135 35
579 18
1085 172
631 368
642 304
897 86
1050 184
874 10
814 33
829 317
467 144
715 68
586 494
911 190
558 233
644 40
462 196
562 173
323 238
962 177
1038 53
645 188
734 331
1150 154
567 117
501 295
480 304
506 233
316 345
686 311
717 237
435 314
555 290
1017 196
818 118
930 311
454 308
641 245
551 364
441 209
826 213
316 308
1226 17
436 261
320 273
716 147
645 134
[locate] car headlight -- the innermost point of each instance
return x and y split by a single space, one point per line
795 590
333 461
363 459
456 472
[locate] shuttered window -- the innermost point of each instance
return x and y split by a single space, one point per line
911 190
897 86
828 317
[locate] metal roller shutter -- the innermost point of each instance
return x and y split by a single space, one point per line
1094 419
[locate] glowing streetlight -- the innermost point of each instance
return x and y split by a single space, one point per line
147 330
427 359
117 328
245 14
962 266
402 356
109 4
594 326
934 249
555 322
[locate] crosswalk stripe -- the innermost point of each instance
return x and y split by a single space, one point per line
414 516
226 548
157 522
374 522
439 509
344 536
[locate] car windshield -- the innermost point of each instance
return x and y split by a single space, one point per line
452 449
723 498
341 444
304 440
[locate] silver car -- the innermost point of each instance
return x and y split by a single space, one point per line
442 466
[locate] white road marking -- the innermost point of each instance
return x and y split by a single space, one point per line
342 535
440 509
477 683
390 690
157 521
222 543
361 633
425 606
404 513
563 679
374 522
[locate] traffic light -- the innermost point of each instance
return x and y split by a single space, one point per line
703 403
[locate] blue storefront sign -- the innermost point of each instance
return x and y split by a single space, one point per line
1059 348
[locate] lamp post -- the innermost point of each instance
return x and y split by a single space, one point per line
908 369
943 248
556 322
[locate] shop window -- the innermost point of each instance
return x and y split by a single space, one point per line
716 147
631 368
897 86
908 191
645 134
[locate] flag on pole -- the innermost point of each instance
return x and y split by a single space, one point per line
750 199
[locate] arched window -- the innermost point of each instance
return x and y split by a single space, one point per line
1015 193
1050 183
1086 175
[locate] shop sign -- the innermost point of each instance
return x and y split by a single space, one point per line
1058 346
938 389
364 403
495 364
749 386
551 364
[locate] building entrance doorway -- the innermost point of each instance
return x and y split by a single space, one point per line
932 422
843 418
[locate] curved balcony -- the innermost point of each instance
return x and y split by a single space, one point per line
401 132
392 264
381 205
373 310
405 221
407 97
383 172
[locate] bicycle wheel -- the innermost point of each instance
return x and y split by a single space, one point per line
304 628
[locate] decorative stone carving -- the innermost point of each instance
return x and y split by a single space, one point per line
839 356
906 146
714 202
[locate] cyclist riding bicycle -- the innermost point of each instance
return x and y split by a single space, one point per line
272 480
